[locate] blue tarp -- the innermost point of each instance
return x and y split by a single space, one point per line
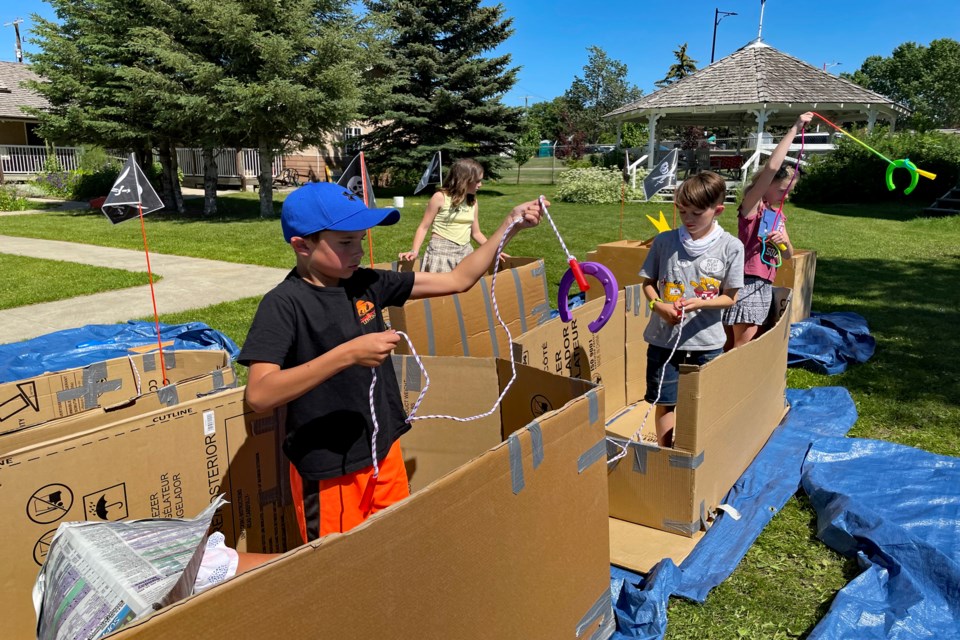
828 342
85 345
763 489
897 509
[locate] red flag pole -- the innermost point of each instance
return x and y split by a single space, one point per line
366 201
153 296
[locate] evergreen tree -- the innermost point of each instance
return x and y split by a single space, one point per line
439 91
684 67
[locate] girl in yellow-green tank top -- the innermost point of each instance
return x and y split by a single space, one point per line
452 218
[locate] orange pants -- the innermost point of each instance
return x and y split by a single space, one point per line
333 505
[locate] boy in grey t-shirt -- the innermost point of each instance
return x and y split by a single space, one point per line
691 273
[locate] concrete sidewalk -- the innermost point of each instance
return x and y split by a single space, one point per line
188 283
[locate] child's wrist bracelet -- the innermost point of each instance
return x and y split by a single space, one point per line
653 302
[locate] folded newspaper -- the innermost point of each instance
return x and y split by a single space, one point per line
99 576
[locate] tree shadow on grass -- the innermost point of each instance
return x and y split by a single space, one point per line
902 212
912 311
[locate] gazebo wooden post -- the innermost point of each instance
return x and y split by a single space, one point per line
652 140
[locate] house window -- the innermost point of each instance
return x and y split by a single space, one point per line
351 143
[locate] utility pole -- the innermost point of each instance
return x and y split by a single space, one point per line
717 17
16 28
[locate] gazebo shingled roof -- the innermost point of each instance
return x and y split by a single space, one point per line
755 77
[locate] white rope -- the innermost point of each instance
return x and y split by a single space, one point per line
663 371
416 405
543 207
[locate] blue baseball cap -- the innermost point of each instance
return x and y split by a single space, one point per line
319 206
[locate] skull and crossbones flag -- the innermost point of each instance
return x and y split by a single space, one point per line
356 179
130 194
663 175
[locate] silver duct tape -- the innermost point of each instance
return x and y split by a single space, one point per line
601 610
594 454
518 286
686 462
168 395
149 362
516 463
463 328
488 305
536 441
593 406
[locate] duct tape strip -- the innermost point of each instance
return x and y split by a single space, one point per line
168 395
149 362
542 313
217 375
593 406
170 359
519 287
601 613
685 528
463 328
490 318
516 463
596 453
613 448
639 457
411 375
428 319
540 271
536 441
686 462
94 385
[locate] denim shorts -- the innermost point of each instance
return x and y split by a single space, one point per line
657 362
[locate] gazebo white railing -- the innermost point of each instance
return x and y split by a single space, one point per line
28 159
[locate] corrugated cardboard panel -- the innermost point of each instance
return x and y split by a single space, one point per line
798 273
432 448
474 555
24 403
167 463
651 485
722 392
466 324
746 408
624 258
639 548
570 349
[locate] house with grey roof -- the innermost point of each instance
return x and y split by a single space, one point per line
752 89
16 125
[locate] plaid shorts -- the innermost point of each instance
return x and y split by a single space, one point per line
753 303
443 255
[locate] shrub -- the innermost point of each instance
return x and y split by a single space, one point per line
592 186
854 174
11 200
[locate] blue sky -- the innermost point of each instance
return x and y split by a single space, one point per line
551 36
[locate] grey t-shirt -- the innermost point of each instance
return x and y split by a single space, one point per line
680 275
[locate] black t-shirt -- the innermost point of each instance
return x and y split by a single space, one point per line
329 427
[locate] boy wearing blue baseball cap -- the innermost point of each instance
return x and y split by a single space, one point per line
314 339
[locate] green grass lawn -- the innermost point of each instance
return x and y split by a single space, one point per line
883 262
34 280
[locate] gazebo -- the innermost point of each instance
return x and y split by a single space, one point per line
753 88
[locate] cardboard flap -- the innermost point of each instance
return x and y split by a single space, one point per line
639 548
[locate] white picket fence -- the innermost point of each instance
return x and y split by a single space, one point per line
19 160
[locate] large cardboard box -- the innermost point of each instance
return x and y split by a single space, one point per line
24 403
798 273
166 463
726 411
509 540
466 324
